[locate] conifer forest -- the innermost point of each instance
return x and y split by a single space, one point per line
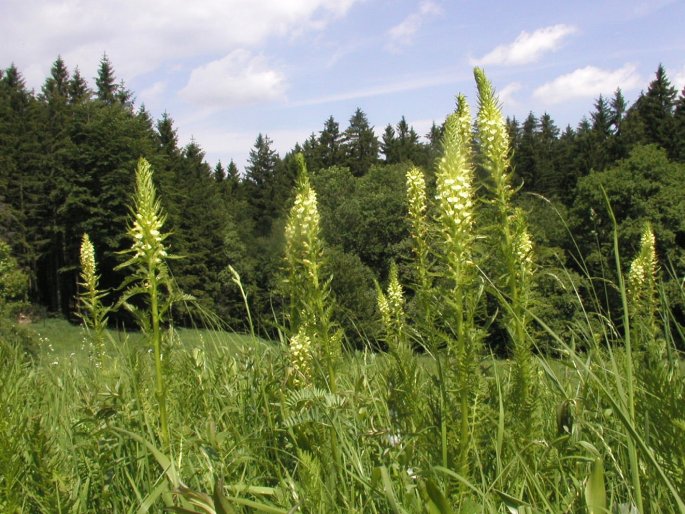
489 317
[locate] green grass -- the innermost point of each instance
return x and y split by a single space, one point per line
60 338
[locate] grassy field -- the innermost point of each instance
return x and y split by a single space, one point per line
60 338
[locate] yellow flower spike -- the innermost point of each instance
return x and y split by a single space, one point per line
492 130
88 271
455 190
642 277
301 359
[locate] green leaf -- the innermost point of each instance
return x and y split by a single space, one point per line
151 498
164 461
595 493
220 502
437 503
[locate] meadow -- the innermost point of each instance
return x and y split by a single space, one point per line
584 418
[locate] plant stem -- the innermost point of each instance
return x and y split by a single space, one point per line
160 390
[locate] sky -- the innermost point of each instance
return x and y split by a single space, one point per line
228 70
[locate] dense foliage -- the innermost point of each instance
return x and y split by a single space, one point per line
67 155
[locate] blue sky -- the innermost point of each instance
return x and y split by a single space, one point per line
226 70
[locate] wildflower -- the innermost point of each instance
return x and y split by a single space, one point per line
146 230
643 269
88 272
384 309
416 193
391 307
494 139
523 245
301 358
455 192
396 298
642 284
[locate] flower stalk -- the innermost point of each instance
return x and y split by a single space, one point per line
92 311
149 276
513 240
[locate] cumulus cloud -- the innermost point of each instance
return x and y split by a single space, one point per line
588 82
141 37
237 79
403 33
527 47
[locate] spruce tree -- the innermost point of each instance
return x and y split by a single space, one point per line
567 169
57 85
105 81
232 176
360 145
618 108
329 143
21 155
600 157
78 88
679 128
656 110
408 146
525 154
260 174
219 173
311 150
389 145
547 159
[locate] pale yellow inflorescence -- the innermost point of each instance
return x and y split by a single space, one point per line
302 229
416 194
523 245
391 304
396 298
643 270
147 224
301 358
384 309
494 139
303 224
147 240
455 192
395 293
88 270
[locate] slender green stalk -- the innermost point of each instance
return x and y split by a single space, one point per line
514 243
455 234
309 309
149 277
630 377
310 314
92 312
642 295
419 231
235 277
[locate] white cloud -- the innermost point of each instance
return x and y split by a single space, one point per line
506 95
237 79
150 96
527 47
395 86
402 33
140 38
588 82
679 79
